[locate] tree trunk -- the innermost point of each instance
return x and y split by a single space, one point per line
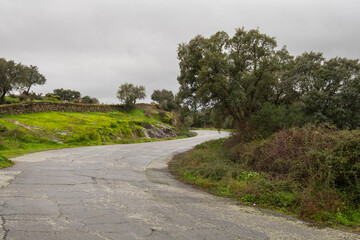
244 132
2 98
27 91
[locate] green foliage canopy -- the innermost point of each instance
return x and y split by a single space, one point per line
33 77
236 77
129 93
89 100
16 76
233 75
11 76
67 94
165 98
329 89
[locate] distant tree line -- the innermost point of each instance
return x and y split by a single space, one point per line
19 77
68 95
246 81
57 95
166 100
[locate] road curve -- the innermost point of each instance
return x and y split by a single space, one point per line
126 192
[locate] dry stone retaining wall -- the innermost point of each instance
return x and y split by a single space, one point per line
23 108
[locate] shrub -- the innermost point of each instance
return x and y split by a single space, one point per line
272 118
321 159
113 125
4 162
313 171
36 96
148 112
165 116
92 136
188 121
52 97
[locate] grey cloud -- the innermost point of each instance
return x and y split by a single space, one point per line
95 45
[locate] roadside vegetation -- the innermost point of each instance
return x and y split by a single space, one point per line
27 133
311 172
4 162
296 141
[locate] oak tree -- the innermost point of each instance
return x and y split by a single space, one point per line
232 75
67 94
12 76
32 78
129 93
165 98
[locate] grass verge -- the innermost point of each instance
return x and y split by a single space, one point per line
27 133
4 162
310 172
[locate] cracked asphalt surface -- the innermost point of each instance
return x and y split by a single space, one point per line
126 192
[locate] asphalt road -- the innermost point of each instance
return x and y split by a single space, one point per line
125 192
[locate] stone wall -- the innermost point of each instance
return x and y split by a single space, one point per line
35 107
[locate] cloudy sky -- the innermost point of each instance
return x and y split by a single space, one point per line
93 46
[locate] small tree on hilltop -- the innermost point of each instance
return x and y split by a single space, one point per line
89 100
67 94
32 78
165 98
16 76
128 94
12 76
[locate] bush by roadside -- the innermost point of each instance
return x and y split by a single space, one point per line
4 162
312 172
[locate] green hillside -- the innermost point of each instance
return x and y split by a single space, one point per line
25 133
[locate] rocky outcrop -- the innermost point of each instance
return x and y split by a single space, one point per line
161 131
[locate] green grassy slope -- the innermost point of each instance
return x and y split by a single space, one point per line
20 134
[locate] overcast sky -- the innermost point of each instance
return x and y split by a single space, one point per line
93 46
